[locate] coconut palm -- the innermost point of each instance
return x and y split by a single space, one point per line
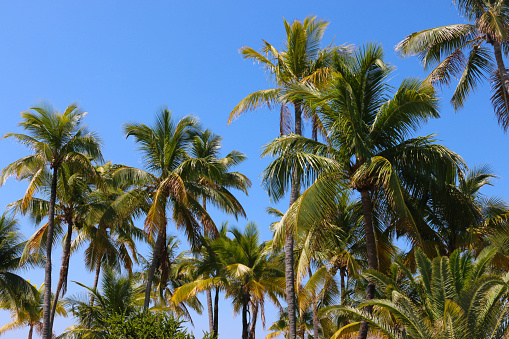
280 326
27 311
173 270
111 238
54 139
251 273
205 264
11 247
118 295
464 51
171 183
332 245
205 153
459 215
72 208
451 297
368 149
300 61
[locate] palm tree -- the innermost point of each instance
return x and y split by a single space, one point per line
173 270
450 297
72 208
111 238
27 311
54 139
205 264
280 327
251 273
171 183
301 61
11 247
368 149
459 215
205 153
118 295
444 48
331 245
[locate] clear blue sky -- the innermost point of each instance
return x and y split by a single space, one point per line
122 61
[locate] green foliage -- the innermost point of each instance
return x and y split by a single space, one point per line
462 51
146 326
450 297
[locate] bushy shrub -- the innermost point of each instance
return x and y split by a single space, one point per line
146 326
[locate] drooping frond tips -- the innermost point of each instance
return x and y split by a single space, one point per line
264 98
500 100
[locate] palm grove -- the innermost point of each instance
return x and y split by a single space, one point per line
364 179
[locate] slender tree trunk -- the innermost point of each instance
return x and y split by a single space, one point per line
208 292
31 332
371 251
342 274
315 128
316 322
46 318
64 270
96 280
254 317
245 325
155 259
216 314
211 311
92 297
289 260
502 72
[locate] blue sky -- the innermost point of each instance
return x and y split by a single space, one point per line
122 61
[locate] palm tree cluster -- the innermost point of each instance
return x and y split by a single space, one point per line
359 187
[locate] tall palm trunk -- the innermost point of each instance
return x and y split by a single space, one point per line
254 316
64 270
92 297
342 274
245 325
31 332
161 236
96 280
211 311
216 314
289 260
502 71
371 251
209 292
46 307
316 323
314 133
314 305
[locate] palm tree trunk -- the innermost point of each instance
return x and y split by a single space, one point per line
252 327
46 308
501 71
64 270
314 134
371 251
289 260
31 332
216 314
342 274
155 259
96 281
245 325
316 323
211 311
92 297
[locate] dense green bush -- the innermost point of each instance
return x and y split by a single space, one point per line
146 326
